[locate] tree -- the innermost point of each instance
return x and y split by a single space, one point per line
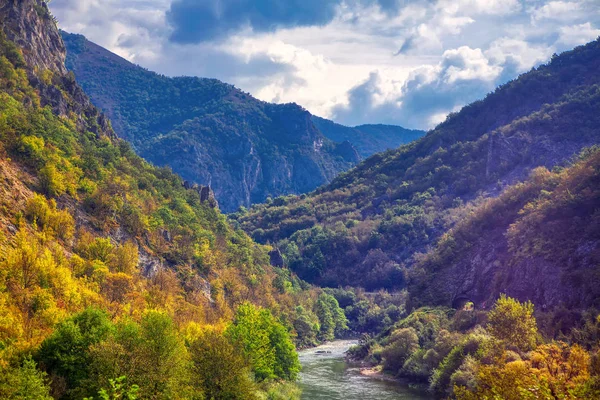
24 383
119 390
331 317
251 333
163 360
220 368
265 342
125 258
150 354
287 365
65 352
562 367
513 322
555 371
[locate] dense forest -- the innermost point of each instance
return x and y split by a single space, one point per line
503 346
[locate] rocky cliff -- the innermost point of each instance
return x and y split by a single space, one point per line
209 132
30 26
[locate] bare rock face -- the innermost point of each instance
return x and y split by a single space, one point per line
206 193
29 24
276 258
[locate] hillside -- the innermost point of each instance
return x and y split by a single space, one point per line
368 139
209 132
539 241
115 277
370 225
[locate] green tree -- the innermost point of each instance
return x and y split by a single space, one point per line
165 357
24 383
251 333
151 355
265 342
287 365
65 352
403 343
119 390
513 322
220 368
331 317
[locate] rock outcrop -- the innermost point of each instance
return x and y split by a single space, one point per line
276 258
205 192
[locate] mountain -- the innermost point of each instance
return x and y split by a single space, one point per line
209 132
374 223
368 139
115 276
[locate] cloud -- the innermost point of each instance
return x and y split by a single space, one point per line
478 7
127 28
197 21
466 64
556 10
429 92
516 56
577 34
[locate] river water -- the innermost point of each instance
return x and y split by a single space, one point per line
326 376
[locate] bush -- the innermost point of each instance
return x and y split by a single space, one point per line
402 344
45 214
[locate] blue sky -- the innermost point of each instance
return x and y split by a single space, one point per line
354 61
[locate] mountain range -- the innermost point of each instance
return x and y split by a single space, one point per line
213 134
467 260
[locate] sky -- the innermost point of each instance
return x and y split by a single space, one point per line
402 62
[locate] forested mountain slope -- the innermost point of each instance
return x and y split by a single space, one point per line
368 139
539 241
115 277
209 132
372 222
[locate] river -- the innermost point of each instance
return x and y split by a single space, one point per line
326 376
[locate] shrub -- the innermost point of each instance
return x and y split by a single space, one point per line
402 344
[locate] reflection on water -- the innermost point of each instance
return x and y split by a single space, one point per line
326 376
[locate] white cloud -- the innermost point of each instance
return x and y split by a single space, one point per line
517 52
474 7
578 34
557 10
465 64
128 28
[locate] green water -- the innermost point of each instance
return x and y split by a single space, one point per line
328 377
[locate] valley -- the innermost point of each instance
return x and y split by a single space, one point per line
463 262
